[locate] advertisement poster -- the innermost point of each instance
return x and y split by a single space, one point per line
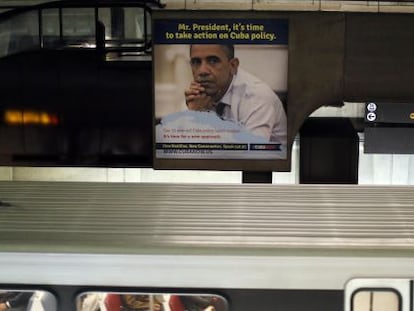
220 88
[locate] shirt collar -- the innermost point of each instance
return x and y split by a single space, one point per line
226 98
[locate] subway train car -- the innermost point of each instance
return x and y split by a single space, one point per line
99 246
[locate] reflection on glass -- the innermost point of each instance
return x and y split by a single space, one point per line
376 300
27 301
50 28
20 33
111 301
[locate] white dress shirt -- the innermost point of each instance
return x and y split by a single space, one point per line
253 104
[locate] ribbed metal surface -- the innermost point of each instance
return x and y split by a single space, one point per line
139 218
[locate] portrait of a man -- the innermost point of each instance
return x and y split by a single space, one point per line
234 94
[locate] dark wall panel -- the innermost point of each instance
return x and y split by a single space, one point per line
329 151
396 140
379 62
316 50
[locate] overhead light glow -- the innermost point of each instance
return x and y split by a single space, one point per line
30 117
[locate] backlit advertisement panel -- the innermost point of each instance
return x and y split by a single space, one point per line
220 88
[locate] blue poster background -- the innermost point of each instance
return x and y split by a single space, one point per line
221 31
